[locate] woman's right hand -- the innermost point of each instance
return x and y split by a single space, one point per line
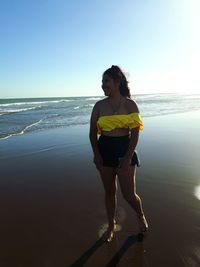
98 161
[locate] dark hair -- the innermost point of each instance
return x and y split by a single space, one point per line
117 75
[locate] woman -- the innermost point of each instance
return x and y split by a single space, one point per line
117 120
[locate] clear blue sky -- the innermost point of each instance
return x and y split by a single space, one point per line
61 48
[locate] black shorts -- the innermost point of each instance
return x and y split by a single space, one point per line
113 148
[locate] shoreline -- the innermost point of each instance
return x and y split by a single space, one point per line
87 124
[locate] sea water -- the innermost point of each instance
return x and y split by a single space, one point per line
24 115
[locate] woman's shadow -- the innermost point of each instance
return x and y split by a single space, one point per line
131 240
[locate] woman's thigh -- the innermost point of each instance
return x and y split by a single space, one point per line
108 177
127 181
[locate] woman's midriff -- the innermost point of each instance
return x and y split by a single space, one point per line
117 132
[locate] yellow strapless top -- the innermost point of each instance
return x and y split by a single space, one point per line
111 122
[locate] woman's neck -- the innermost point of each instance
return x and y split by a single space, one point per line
115 98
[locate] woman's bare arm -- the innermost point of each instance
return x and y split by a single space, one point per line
93 129
134 132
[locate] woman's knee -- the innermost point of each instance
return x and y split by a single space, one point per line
110 192
110 184
130 197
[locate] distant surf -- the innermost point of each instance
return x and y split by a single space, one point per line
20 116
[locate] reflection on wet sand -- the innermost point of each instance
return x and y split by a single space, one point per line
197 192
104 227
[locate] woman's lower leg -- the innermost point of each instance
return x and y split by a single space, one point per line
111 202
136 204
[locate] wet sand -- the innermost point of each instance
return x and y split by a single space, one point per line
52 199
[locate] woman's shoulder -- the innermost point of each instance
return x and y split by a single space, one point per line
101 103
131 105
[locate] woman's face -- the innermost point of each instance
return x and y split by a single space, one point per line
109 86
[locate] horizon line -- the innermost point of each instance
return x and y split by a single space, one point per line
36 97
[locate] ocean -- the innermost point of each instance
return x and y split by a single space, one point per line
21 116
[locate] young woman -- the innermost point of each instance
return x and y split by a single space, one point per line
116 118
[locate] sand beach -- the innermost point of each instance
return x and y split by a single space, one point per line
52 199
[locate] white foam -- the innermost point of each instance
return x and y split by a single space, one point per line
31 125
34 103
7 111
22 132
93 98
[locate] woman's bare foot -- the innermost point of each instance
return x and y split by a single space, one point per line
108 235
142 223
